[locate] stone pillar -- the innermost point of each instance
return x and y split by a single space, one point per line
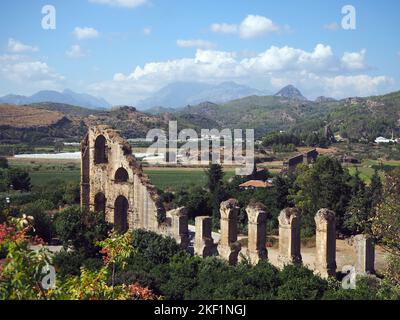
289 236
257 233
179 226
365 254
325 259
203 243
228 247
85 174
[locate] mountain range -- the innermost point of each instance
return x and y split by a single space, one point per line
359 119
180 94
173 96
65 97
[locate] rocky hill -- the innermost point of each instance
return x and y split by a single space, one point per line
45 123
291 92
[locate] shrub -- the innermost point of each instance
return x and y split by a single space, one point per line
42 223
156 248
82 230
68 263
299 283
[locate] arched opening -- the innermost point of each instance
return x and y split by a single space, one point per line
100 150
121 175
121 215
100 202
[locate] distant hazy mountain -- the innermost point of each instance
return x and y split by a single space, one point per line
160 110
291 92
65 97
324 99
180 94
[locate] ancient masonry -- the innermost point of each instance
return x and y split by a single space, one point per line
289 236
257 235
113 182
325 263
365 254
229 247
204 243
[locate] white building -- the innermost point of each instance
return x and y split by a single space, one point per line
384 140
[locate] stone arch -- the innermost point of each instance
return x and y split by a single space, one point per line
100 202
100 150
121 175
121 214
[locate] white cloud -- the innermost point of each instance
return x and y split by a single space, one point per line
318 72
334 26
252 26
358 85
288 58
32 74
196 43
85 33
354 60
121 3
17 46
75 52
224 28
147 31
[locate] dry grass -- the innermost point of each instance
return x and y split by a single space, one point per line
27 117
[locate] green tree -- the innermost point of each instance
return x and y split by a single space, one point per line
19 179
386 223
81 230
3 163
322 185
215 175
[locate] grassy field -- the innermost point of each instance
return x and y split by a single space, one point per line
174 179
367 168
44 171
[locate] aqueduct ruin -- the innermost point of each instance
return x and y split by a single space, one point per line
113 182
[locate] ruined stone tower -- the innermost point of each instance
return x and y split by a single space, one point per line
113 182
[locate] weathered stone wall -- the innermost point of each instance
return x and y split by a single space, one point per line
131 201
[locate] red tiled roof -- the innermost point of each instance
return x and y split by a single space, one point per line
256 184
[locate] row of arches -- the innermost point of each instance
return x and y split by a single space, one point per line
121 204
121 207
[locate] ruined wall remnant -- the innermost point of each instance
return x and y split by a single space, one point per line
203 243
365 254
179 228
289 236
325 260
257 233
113 182
228 247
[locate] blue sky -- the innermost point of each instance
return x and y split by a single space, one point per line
124 50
